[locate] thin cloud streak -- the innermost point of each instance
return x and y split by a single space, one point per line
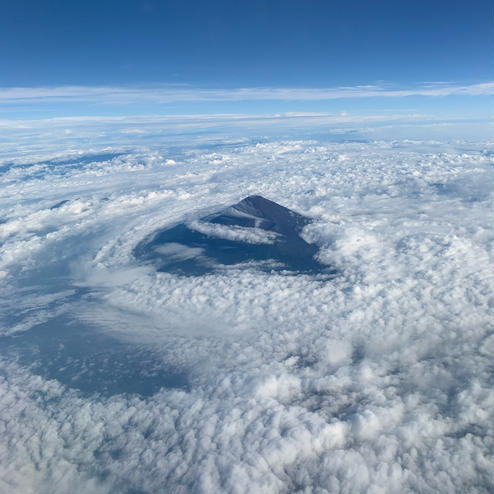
230 119
173 94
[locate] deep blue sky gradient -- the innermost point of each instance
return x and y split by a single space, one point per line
245 43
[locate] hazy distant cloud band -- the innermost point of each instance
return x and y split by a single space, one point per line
174 94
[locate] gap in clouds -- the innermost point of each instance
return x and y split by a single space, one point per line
82 358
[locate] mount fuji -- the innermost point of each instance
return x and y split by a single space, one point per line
254 232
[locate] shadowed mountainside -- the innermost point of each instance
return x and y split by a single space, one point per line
255 232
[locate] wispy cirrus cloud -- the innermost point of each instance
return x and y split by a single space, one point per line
184 93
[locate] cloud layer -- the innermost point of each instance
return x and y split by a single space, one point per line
377 381
172 94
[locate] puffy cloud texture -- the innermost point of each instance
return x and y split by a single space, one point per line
377 380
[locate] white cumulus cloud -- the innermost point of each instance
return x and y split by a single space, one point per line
375 380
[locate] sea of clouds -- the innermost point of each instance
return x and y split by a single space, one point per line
115 378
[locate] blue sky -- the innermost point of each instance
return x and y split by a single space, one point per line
151 45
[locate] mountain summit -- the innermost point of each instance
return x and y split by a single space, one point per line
258 212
